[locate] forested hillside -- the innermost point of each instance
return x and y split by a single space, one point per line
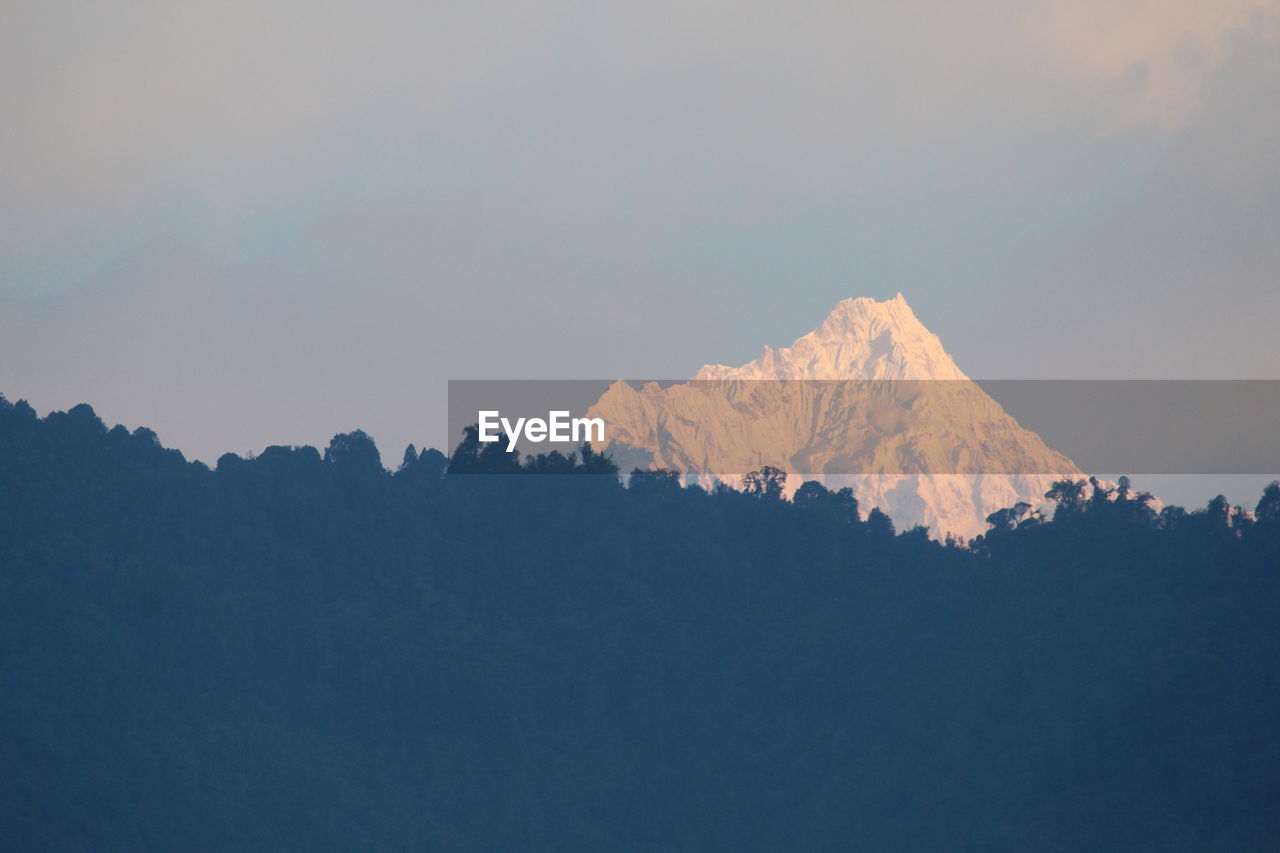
306 651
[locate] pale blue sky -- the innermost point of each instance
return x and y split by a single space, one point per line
249 224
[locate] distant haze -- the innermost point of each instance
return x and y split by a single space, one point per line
245 224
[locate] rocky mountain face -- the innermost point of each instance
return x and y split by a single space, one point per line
929 447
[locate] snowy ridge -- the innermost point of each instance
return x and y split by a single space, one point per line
860 339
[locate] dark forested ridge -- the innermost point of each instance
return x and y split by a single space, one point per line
304 651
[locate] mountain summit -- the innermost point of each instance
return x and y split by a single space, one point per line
860 339
870 399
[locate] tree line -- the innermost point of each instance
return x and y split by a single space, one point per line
305 650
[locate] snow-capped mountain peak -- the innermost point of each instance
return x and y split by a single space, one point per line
860 339
898 451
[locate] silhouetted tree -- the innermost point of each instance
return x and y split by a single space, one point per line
1124 488
813 496
353 451
767 483
1068 495
879 524
410 456
658 481
1268 509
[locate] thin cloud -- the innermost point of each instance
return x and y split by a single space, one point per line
1144 62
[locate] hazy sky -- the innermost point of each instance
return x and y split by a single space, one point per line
245 224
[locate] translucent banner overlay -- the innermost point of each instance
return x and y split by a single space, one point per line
861 427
